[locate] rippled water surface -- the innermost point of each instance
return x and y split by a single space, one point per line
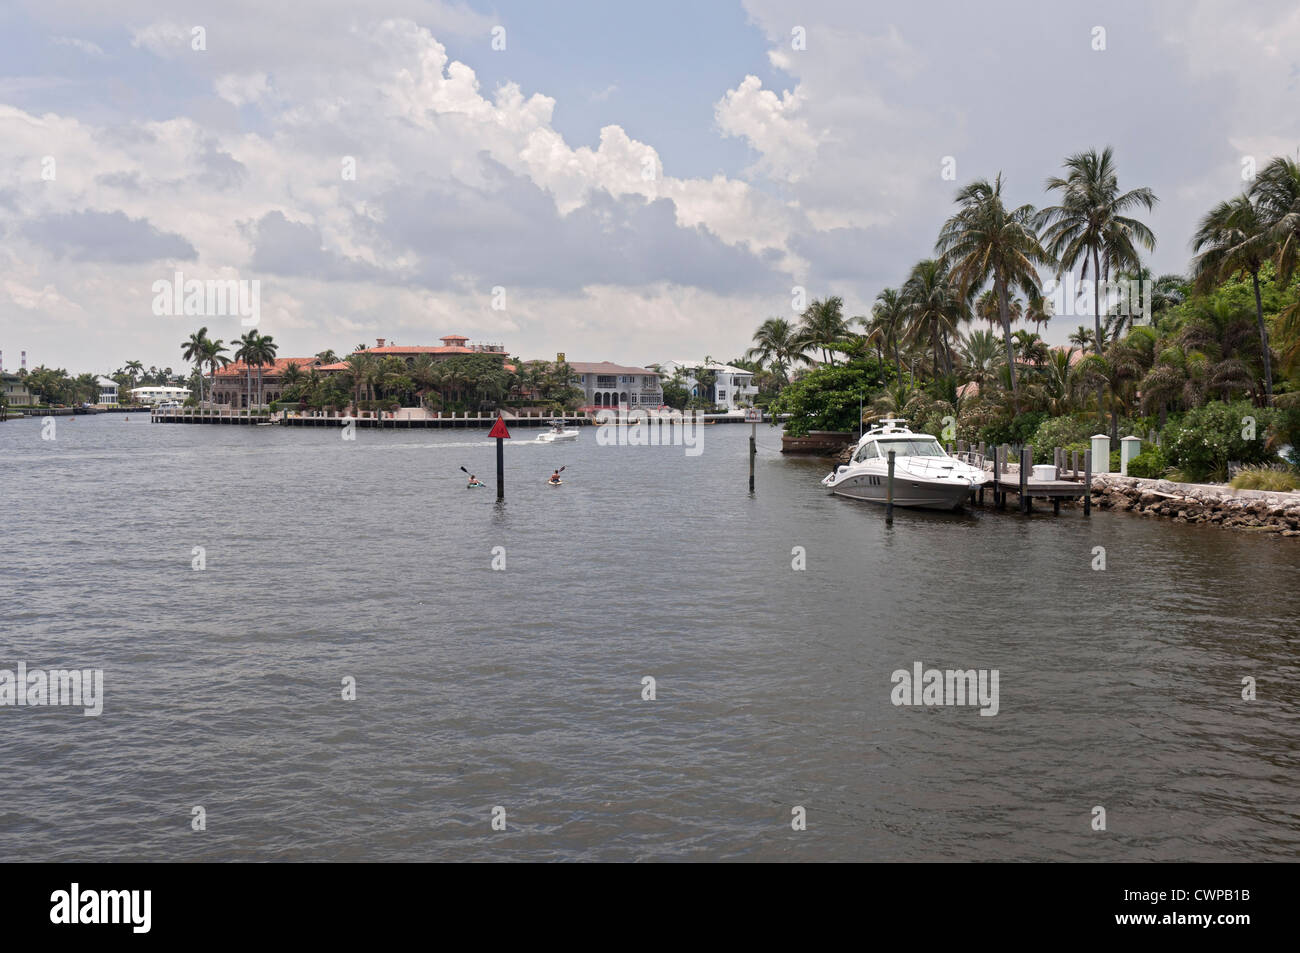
522 688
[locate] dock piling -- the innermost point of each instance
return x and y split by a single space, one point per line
889 491
1025 457
1087 483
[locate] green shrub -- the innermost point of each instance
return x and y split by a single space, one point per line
1207 438
1058 432
1149 464
1275 479
1015 430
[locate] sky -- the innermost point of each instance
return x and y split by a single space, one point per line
624 182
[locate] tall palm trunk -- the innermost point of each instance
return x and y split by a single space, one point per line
1004 313
1096 319
1263 338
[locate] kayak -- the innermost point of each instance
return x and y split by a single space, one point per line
554 482
474 486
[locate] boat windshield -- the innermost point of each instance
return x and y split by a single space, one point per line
910 447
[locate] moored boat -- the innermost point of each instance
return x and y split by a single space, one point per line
925 475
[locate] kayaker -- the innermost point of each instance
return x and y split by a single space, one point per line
555 477
473 481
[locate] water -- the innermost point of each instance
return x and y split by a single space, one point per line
522 688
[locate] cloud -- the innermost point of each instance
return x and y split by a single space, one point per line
772 126
85 46
106 237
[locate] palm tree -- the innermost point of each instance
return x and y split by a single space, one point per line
1030 347
133 370
778 341
194 350
889 314
1276 193
1084 337
264 353
359 364
214 355
1090 225
1037 312
327 357
935 308
822 326
980 354
984 240
1115 370
1233 239
247 353
1222 334
292 381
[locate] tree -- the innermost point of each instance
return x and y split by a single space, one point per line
1090 225
195 350
779 342
215 357
263 354
133 369
934 309
1276 193
246 353
889 315
984 240
980 355
1233 239
822 326
85 388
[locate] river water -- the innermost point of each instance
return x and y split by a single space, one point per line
521 688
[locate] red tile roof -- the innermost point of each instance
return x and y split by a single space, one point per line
278 367
605 367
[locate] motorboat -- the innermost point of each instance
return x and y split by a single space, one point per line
925 475
558 433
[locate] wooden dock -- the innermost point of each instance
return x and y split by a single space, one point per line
1074 479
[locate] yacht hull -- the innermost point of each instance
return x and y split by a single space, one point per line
908 491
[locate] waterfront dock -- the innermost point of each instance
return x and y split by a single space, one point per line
401 420
1073 482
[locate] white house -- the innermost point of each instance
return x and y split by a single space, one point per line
107 392
156 395
732 386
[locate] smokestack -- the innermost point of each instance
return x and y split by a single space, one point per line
24 357
381 342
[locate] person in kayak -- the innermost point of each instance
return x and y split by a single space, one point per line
473 481
555 478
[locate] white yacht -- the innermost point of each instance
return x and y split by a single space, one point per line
924 475
558 433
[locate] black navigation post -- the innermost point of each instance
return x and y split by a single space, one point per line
501 434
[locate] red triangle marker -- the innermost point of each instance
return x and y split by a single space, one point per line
499 430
